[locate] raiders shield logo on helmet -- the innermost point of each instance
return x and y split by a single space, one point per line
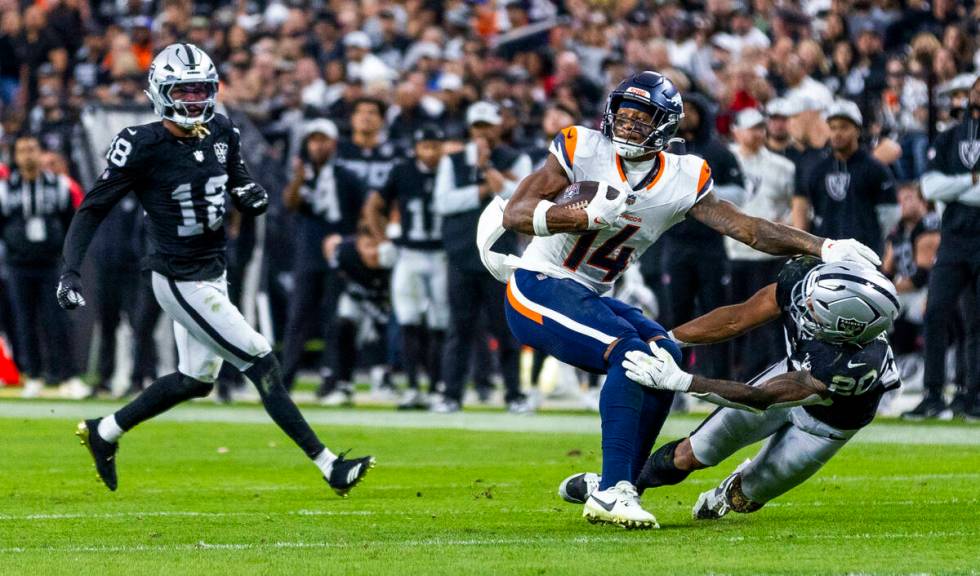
837 185
851 325
970 153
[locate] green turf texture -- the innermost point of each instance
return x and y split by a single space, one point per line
205 498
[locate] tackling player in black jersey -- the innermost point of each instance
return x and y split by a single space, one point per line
808 405
179 169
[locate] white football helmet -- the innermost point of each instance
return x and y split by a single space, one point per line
182 64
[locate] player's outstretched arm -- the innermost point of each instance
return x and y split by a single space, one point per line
728 322
659 371
758 233
108 190
777 239
542 185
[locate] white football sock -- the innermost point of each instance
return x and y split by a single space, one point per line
109 429
324 461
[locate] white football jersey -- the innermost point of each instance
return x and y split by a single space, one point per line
660 200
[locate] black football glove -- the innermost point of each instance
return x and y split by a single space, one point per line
70 291
251 198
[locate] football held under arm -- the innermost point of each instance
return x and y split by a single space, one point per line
539 188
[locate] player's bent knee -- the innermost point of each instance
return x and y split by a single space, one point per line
192 387
616 352
684 457
662 468
265 373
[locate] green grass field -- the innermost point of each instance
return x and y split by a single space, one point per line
228 494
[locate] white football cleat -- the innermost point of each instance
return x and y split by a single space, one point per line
32 388
619 505
577 488
713 504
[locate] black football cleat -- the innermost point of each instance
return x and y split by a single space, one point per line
577 488
929 407
345 474
104 453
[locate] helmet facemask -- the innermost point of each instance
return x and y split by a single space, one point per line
633 137
187 113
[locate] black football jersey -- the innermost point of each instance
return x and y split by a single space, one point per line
180 183
857 375
410 186
903 243
371 165
844 196
957 151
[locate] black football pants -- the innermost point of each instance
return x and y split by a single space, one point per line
472 294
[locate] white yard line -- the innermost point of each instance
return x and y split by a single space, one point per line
452 542
954 435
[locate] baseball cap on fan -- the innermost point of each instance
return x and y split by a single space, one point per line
749 118
321 126
483 112
844 109
781 107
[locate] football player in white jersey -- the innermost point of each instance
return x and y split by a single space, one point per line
554 291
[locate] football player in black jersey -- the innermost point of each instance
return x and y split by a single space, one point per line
418 284
808 404
179 169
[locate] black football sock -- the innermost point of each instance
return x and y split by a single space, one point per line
266 376
660 470
412 348
162 395
434 357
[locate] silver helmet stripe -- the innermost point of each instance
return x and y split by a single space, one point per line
864 281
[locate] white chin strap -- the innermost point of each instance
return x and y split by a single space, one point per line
629 151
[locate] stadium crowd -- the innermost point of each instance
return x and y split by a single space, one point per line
817 113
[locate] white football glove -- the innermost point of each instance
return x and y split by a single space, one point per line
849 250
603 212
657 371
387 254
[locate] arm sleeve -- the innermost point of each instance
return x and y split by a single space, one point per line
389 190
448 198
937 186
885 194
238 174
520 170
108 190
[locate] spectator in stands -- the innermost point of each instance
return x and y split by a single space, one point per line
769 180
326 199
695 265
466 181
366 153
36 207
910 252
951 178
847 188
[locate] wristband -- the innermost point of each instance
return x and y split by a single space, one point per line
540 220
920 278
680 343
